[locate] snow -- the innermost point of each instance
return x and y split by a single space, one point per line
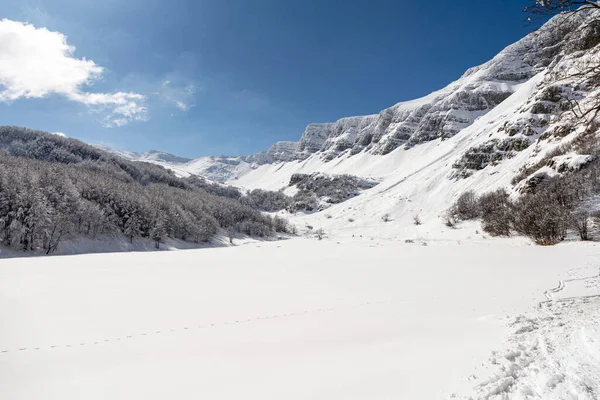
413 182
377 310
570 162
554 351
118 243
291 191
339 318
218 169
362 314
443 113
166 160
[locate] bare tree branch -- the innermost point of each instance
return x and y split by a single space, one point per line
585 75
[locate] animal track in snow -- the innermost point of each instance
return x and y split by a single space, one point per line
204 326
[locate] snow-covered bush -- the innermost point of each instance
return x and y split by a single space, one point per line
320 233
266 200
580 221
303 201
217 189
544 213
547 212
496 212
449 219
466 206
281 225
544 222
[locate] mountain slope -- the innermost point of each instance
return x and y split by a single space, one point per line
54 188
161 158
497 121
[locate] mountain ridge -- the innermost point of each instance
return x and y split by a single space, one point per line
438 116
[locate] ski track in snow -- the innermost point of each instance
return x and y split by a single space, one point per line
562 284
192 327
554 353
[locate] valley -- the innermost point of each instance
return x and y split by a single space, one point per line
379 319
446 247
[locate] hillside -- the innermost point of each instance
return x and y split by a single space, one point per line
53 189
499 120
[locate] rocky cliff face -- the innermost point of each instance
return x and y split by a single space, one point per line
544 122
539 59
441 114
280 151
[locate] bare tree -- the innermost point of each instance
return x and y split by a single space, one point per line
449 219
545 8
586 73
230 235
466 206
417 219
320 233
496 212
580 221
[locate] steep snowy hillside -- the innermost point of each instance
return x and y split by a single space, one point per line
414 182
219 168
501 147
161 158
500 120
441 114
149 156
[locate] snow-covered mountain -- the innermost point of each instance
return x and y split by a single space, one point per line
149 156
497 120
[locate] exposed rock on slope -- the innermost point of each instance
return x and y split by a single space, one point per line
444 113
318 191
503 117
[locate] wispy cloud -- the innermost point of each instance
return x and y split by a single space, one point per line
36 62
181 95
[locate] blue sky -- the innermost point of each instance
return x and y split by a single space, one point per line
212 77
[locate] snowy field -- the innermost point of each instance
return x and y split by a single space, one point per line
304 319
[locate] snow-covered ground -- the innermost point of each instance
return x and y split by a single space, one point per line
554 349
117 243
341 318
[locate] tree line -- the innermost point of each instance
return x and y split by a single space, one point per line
53 188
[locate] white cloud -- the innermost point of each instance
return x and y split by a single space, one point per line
182 96
36 62
61 134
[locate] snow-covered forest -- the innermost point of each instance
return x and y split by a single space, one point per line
53 188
